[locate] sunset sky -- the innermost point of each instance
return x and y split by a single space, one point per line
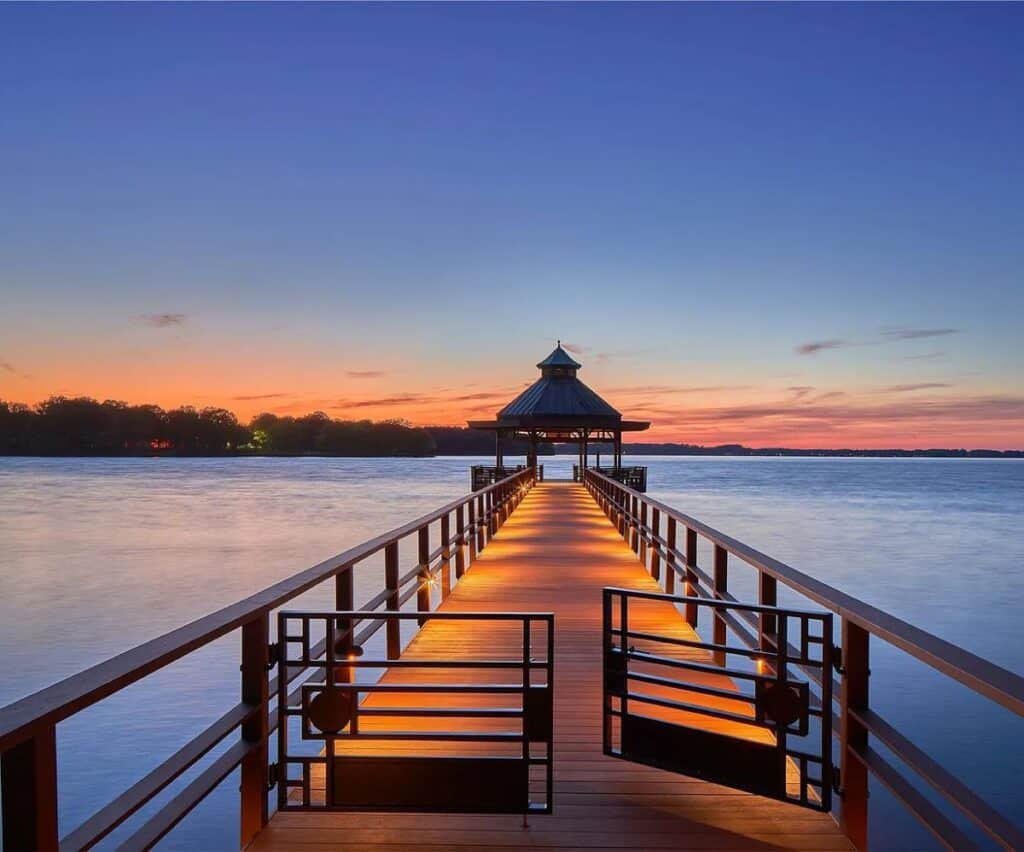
796 225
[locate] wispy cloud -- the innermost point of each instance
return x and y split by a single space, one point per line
917 387
8 367
634 390
365 374
819 346
163 320
900 333
259 396
576 348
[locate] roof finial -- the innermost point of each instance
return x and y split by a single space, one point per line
559 344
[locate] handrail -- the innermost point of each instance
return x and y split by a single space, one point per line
629 510
27 726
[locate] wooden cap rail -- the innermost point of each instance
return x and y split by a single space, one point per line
28 753
639 519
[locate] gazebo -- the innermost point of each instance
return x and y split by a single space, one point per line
559 408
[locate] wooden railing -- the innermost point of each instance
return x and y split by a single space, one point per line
28 744
666 542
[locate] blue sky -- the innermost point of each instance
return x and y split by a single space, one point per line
434 193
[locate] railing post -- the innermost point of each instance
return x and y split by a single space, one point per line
620 503
480 543
393 626
670 557
446 556
255 768
472 530
344 601
655 544
423 590
691 575
853 696
644 532
721 585
28 774
634 523
768 622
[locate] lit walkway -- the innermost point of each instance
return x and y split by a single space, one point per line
555 553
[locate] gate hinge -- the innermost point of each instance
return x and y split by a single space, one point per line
837 786
273 654
837 660
272 773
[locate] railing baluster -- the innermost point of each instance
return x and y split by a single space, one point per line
28 774
446 556
670 557
393 628
471 505
634 522
480 543
655 544
721 585
423 578
255 691
691 576
853 696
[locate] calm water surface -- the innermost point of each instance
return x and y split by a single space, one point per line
98 555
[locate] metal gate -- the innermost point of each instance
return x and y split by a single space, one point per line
354 740
727 713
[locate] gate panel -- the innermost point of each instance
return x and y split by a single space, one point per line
731 713
444 731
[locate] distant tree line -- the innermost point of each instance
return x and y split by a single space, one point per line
80 426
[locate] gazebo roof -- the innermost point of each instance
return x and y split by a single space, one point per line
559 358
559 401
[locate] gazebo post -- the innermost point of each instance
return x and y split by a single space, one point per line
497 452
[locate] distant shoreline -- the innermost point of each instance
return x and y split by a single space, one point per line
709 452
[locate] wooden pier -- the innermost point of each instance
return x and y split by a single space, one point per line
556 554
539 635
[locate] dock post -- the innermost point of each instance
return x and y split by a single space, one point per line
446 556
853 736
481 517
460 548
721 585
424 578
634 521
255 768
670 557
29 779
691 576
393 626
644 532
655 544
768 622
472 532
620 510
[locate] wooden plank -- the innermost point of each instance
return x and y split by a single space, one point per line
556 553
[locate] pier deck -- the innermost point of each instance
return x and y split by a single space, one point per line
555 554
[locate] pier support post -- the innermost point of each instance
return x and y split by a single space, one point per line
255 730
634 523
29 778
721 585
670 557
655 544
446 556
853 696
644 532
472 532
481 517
393 626
424 578
460 548
691 576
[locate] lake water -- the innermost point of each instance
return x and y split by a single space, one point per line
97 555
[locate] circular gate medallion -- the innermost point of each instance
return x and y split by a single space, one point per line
330 710
781 704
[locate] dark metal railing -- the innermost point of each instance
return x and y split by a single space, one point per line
28 752
493 771
666 542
